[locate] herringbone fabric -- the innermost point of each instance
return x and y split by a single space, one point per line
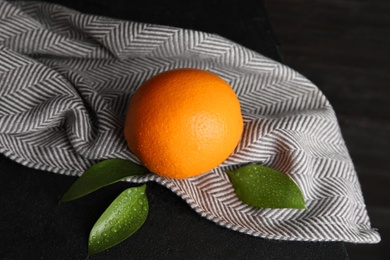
65 80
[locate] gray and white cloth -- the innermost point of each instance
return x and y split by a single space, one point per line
66 78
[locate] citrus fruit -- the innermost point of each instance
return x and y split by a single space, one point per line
183 122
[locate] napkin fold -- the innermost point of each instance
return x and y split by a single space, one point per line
66 78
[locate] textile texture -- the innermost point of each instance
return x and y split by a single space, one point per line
66 78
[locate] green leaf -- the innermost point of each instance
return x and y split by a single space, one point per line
263 187
126 214
102 174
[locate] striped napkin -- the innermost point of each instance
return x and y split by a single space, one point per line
66 78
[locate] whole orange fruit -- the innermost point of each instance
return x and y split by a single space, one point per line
184 122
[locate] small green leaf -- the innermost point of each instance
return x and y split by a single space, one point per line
126 214
102 174
263 187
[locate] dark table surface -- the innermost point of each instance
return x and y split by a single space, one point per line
34 226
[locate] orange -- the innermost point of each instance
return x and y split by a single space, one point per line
184 122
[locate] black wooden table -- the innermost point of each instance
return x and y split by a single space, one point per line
34 226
